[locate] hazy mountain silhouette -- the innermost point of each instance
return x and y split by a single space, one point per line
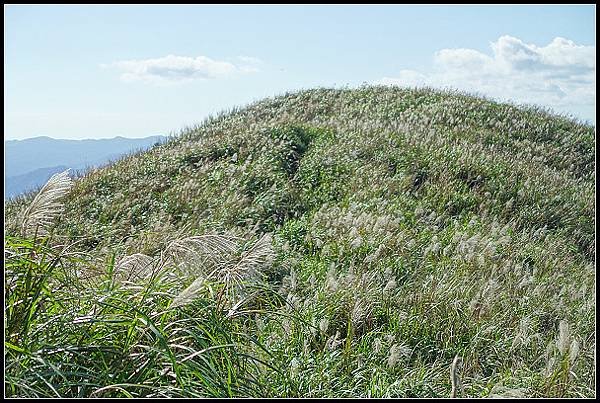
29 163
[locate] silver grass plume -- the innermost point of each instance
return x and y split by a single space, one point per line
217 250
189 294
134 267
202 249
46 205
248 265
564 337
397 352
361 312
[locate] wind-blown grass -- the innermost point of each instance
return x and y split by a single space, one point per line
106 338
324 243
46 206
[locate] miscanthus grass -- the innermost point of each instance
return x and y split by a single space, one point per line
130 331
323 243
45 206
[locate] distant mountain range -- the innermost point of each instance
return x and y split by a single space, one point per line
29 163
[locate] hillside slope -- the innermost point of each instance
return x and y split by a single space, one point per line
410 226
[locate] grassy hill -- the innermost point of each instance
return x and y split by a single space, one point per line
347 242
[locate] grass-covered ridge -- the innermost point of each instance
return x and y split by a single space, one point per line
407 227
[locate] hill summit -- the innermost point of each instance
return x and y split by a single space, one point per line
409 226
394 150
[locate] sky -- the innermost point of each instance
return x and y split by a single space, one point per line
104 71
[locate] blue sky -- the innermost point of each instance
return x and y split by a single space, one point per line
135 71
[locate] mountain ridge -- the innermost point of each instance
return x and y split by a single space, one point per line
28 161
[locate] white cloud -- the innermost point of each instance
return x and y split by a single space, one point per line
172 68
561 74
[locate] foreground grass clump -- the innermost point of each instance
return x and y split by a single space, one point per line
325 243
107 336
